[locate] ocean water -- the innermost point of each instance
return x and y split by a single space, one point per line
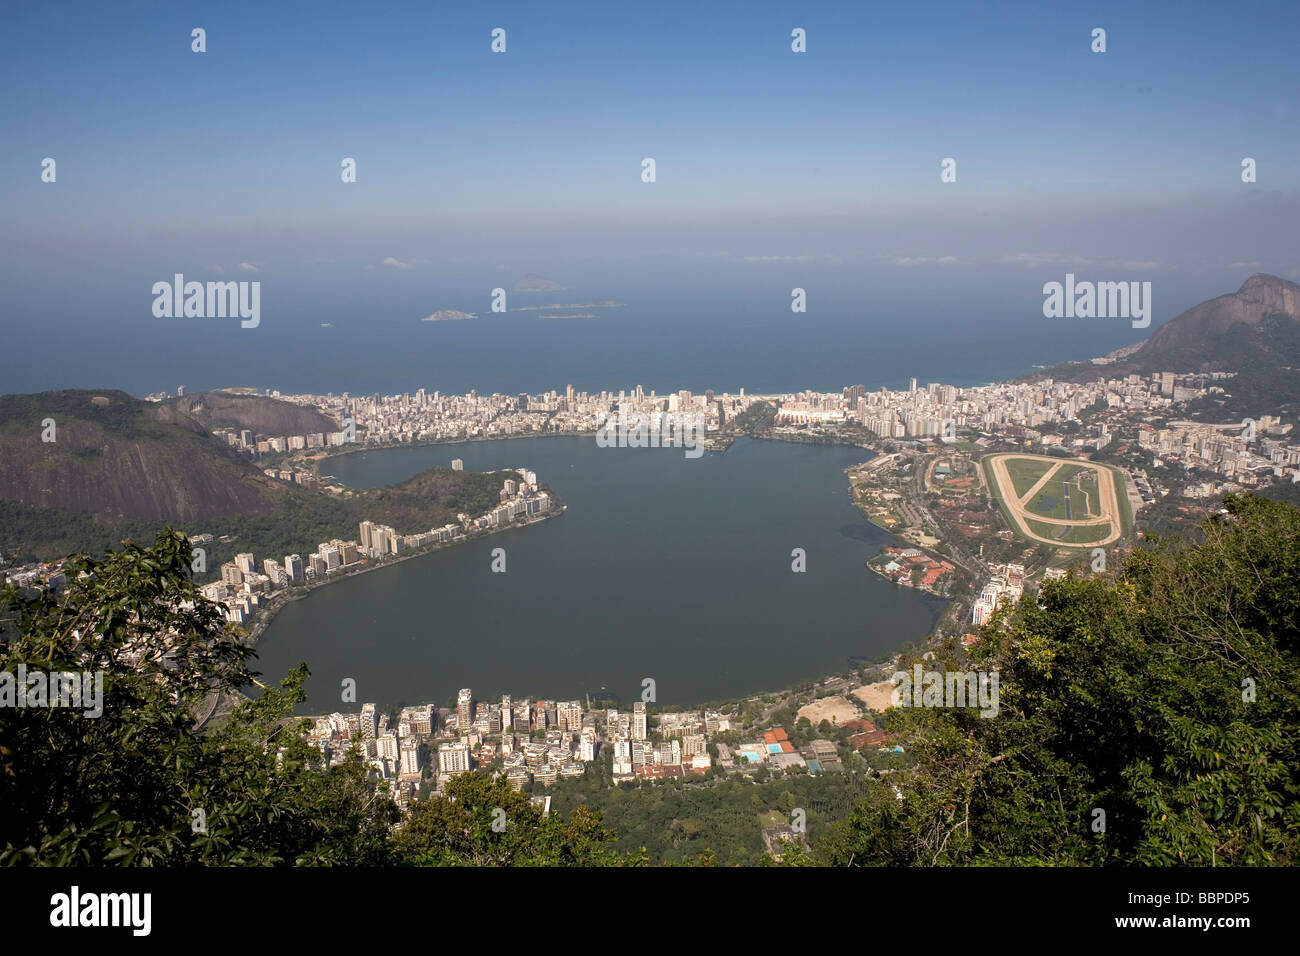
340 333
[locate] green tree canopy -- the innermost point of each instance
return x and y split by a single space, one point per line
140 783
484 821
1165 698
143 783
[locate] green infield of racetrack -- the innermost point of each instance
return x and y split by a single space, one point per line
1075 536
1078 536
1086 494
1125 508
1054 491
1025 472
1049 502
995 490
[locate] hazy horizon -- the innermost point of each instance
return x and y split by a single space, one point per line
774 170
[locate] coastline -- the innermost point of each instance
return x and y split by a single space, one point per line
430 442
715 443
278 602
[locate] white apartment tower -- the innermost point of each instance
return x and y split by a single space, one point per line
368 722
639 731
409 756
453 759
464 709
569 715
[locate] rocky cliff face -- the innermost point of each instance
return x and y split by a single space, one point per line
1195 333
117 458
1253 332
122 468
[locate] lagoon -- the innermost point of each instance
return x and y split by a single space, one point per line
663 567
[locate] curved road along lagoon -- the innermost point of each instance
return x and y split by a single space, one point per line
664 567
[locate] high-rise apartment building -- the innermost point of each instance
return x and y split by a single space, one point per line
569 715
453 758
464 709
386 746
410 753
368 722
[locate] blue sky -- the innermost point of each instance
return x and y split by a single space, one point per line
253 130
474 166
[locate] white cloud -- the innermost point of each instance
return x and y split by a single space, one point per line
396 263
817 257
924 260
247 267
1035 260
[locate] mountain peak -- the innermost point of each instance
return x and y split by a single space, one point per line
1199 328
1263 281
1253 333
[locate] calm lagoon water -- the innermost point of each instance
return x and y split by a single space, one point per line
665 567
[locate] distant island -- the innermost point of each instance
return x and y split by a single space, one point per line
449 315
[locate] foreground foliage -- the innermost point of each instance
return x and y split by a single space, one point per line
124 787
1166 699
